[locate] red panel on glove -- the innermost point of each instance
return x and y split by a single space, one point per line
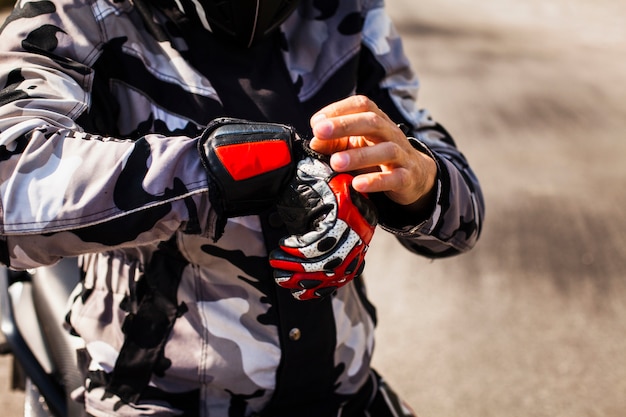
249 159
339 222
341 186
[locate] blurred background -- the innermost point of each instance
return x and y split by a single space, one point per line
533 321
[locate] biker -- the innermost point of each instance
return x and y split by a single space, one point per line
219 168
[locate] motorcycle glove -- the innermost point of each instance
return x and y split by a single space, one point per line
331 226
248 164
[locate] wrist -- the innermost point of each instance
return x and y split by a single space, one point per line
427 189
398 214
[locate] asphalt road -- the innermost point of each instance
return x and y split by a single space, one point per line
533 321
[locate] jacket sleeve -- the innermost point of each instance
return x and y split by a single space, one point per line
65 191
385 76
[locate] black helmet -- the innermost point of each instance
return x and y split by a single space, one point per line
243 21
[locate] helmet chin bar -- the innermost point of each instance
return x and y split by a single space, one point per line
241 21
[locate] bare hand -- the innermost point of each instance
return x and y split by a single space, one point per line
362 139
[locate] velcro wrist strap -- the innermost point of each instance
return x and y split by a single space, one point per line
247 163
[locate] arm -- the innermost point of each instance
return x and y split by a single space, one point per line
426 192
64 191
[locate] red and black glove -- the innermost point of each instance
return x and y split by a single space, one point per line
331 226
248 165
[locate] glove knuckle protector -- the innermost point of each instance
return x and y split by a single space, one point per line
247 164
331 224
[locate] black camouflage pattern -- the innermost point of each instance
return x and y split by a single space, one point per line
100 113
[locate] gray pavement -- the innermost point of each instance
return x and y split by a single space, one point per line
532 322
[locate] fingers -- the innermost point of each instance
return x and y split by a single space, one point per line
384 181
350 105
363 140
380 146
405 178
353 116
356 159
357 134
369 124
383 167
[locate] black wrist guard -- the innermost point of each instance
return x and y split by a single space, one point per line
248 164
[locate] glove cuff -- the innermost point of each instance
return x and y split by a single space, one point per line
247 165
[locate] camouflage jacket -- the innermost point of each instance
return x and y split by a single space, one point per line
101 105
